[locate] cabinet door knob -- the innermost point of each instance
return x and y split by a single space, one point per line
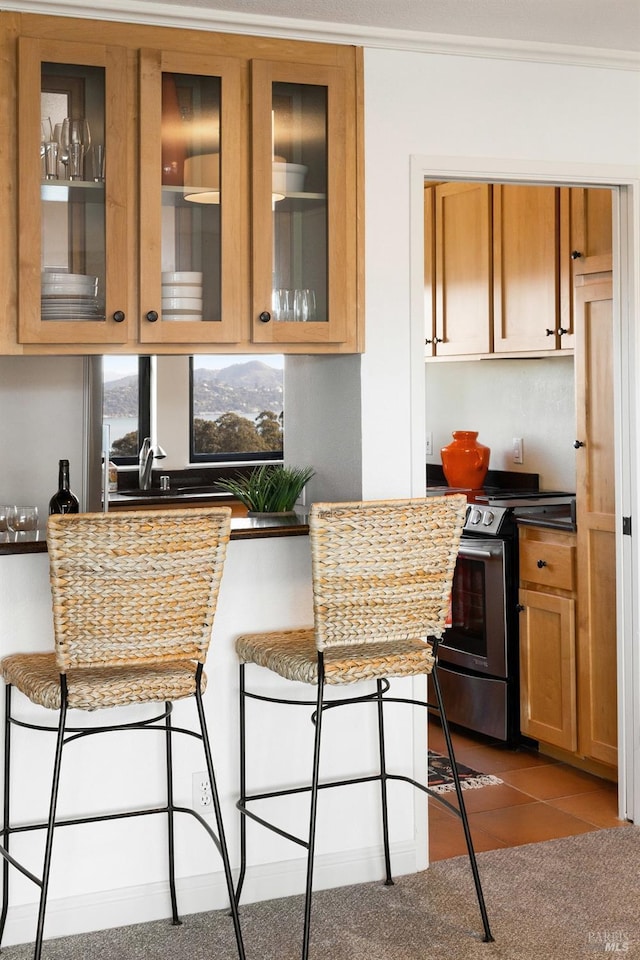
152 316
119 316
550 333
427 342
578 443
575 254
265 316
437 340
541 563
562 331
519 608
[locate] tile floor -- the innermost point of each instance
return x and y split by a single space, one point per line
539 799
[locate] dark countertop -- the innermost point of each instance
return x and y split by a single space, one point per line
553 517
242 528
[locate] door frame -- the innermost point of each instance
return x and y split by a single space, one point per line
625 184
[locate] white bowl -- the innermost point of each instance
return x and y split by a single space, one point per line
181 303
171 315
182 276
61 277
288 177
182 290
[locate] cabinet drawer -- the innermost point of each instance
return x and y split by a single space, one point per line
548 564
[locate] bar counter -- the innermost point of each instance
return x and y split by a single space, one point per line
242 528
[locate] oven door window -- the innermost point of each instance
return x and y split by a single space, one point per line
468 613
476 639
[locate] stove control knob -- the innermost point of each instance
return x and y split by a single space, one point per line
474 516
487 518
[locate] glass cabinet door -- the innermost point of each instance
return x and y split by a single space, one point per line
72 193
193 233
302 214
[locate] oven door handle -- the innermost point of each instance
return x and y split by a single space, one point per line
468 553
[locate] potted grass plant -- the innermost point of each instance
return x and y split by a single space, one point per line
269 489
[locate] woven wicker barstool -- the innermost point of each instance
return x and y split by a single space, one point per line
134 599
382 576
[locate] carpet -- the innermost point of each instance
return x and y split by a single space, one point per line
569 899
441 777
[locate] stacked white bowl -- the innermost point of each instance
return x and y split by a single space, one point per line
182 295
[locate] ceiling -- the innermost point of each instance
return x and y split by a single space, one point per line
600 24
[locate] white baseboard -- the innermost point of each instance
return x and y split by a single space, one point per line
142 904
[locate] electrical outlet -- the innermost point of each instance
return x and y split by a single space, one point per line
201 791
518 456
428 444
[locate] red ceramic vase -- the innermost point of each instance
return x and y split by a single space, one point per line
465 461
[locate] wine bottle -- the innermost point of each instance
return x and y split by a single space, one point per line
64 501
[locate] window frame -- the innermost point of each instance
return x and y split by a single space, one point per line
144 410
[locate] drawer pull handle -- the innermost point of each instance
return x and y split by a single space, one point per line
541 564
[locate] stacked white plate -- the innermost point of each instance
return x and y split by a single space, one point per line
70 296
182 295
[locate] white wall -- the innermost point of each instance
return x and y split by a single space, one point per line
503 399
42 420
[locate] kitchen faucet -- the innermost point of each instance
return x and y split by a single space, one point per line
145 462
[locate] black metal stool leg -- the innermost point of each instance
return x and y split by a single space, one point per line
315 776
243 785
488 937
383 788
46 869
6 814
170 820
218 815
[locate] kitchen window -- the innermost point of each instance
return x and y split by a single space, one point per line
202 409
236 408
126 405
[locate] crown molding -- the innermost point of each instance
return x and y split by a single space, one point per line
203 18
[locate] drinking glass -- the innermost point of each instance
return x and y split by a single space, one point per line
46 139
75 140
283 304
22 519
46 133
4 517
97 162
304 308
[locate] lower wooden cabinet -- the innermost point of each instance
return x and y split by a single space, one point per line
558 678
548 710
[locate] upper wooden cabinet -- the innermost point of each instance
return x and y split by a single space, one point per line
462 269
222 208
526 268
500 266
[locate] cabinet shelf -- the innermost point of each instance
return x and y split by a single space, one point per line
62 191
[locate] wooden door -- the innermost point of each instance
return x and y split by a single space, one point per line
526 268
585 233
193 224
596 522
304 228
73 230
463 269
548 668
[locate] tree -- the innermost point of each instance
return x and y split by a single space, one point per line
126 446
268 427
